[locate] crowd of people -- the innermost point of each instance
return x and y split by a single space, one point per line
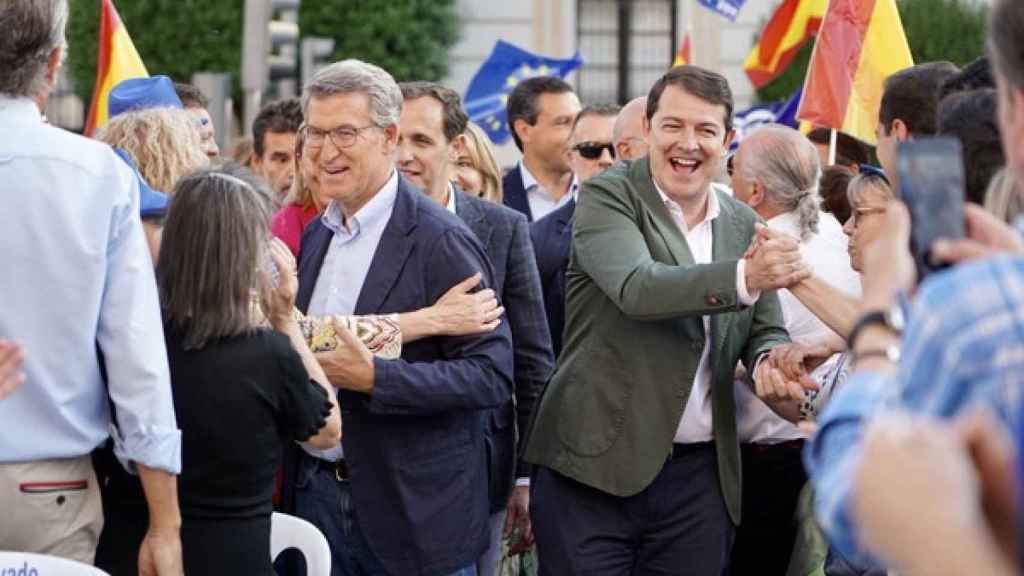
643 349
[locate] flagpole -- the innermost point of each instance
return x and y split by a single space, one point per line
689 31
832 143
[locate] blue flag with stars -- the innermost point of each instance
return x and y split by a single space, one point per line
506 66
728 8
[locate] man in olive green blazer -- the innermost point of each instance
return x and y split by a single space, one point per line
635 436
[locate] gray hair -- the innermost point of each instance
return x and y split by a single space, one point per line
861 183
213 246
352 75
32 29
786 163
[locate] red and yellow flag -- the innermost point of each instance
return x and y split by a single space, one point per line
683 55
860 44
117 60
793 24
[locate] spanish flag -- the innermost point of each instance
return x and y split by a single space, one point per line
793 24
860 44
683 55
118 60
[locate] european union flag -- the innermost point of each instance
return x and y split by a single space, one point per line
728 8
746 121
498 75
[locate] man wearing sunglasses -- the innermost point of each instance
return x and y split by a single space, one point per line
590 153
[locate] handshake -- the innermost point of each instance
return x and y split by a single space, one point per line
773 261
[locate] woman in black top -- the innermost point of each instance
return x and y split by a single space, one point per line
240 392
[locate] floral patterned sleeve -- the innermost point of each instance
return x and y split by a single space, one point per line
381 334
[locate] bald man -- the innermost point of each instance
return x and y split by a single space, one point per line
627 134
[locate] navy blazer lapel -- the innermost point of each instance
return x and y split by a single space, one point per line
395 245
468 211
315 242
515 194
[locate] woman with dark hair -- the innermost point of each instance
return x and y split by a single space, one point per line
240 391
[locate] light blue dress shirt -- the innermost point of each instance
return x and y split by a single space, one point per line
347 263
963 347
77 279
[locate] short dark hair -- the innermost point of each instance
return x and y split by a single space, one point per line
974 76
849 150
282 117
1006 40
911 95
832 187
522 102
604 110
453 116
709 86
971 118
190 96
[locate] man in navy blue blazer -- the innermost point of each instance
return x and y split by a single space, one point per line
406 492
540 114
591 151
430 139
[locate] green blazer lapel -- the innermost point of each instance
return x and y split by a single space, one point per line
728 244
658 214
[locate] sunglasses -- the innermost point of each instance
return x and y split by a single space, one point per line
592 150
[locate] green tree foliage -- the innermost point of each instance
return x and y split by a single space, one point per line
409 38
951 30
174 37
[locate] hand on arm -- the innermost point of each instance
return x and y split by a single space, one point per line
783 375
459 312
160 553
278 304
11 359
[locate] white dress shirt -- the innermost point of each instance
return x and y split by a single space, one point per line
696 422
541 201
348 262
826 254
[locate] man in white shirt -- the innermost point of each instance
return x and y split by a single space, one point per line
541 112
79 294
776 172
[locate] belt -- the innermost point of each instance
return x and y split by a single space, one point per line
339 468
789 445
689 448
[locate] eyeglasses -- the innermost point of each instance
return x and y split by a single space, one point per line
592 150
341 137
858 214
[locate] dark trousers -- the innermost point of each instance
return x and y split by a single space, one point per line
327 503
676 526
773 475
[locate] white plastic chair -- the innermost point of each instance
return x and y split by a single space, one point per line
43 565
290 532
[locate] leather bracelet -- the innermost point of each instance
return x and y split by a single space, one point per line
868 319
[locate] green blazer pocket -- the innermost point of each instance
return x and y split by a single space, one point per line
594 404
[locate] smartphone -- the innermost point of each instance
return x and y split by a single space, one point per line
931 183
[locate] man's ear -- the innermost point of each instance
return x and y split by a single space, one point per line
522 130
899 130
391 138
729 137
756 195
455 147
53 64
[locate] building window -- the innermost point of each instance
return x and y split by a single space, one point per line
626 46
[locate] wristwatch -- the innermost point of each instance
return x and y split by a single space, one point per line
891 319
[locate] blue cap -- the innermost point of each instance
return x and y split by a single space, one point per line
142 93
870 170
151 203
